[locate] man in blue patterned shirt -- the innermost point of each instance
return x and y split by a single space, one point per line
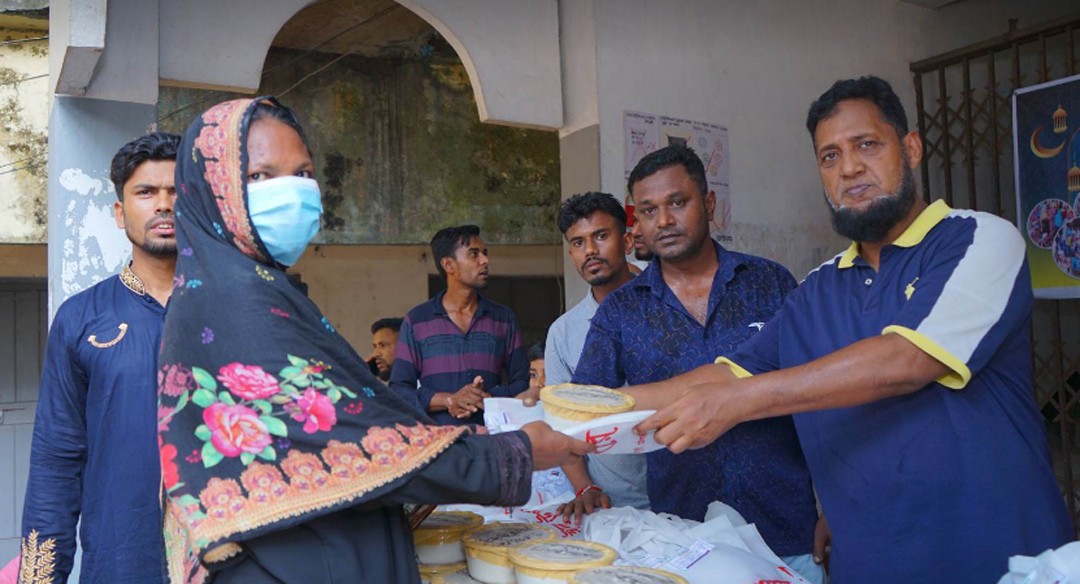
697 300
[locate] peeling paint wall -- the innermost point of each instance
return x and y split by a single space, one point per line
400 151
23 135
85 246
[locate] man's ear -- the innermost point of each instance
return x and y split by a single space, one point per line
118 215
448 265
913 144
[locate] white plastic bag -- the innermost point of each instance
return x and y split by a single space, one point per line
1050 567
696 551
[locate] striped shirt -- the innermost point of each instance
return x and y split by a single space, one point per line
433 355
943 484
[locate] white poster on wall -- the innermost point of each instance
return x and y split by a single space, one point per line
643 133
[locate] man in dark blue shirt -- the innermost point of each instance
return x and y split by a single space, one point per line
95 449
697 300
906 360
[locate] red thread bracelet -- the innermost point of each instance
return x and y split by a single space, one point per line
588 488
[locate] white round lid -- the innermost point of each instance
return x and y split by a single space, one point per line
461 577
625 575
451 519
565 552
508 534
590 395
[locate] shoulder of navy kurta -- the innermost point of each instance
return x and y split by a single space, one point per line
946 483
94 456
642 333
434 355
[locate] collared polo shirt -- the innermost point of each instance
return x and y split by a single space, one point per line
943 484
434 355
642 333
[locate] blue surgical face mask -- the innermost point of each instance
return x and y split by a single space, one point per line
285 211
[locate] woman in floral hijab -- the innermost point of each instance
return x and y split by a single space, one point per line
283 458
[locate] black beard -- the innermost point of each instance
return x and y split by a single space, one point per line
159 249
643 256
873 224
600 280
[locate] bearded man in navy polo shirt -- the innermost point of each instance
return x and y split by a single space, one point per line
697 300
906 361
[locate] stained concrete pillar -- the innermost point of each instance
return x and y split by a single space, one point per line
119 44
84 244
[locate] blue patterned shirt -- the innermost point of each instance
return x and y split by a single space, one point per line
642 334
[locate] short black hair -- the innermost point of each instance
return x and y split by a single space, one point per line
660 159
873 89
446 242
155 146
536 351
581 206
393 324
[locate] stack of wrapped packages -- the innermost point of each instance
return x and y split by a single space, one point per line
532 544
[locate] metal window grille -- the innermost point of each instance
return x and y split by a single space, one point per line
964 105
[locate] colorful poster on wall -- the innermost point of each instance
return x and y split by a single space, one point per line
1046 156
644 133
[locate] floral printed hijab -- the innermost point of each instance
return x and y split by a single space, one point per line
268 418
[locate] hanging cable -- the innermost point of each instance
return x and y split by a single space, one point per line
335 36
30 78
20 41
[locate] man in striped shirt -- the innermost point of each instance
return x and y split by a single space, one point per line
906 361
454 350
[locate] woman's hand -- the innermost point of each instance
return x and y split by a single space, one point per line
551 448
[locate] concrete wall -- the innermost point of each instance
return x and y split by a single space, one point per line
754 67
355 285
400 151
24 117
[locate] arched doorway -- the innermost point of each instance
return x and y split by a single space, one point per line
400 150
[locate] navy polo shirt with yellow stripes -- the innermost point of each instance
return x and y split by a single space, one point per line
943 484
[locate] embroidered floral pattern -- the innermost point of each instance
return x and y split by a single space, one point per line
305 471
264 483
264 273
37 562
222 498
206 336
346 461
175 380
385 445
279 312
164 414
240 422
248 382
170 474
235 430
315 410
218 141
